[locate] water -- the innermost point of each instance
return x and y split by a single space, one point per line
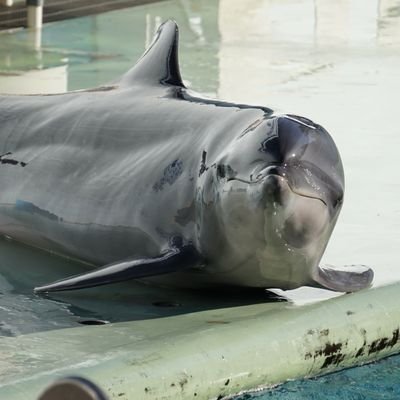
335 62
370 382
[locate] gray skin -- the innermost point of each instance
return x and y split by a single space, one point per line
153 181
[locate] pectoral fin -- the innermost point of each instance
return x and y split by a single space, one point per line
173 260
349 278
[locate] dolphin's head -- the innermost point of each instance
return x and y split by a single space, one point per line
281 186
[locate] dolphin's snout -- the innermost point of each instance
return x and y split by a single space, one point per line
272 184
310 161
298 217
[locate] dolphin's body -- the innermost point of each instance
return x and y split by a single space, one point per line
150 180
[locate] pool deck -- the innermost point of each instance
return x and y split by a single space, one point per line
15 16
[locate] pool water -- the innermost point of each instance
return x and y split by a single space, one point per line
337 63
371 382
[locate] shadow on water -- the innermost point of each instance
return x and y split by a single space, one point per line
21 311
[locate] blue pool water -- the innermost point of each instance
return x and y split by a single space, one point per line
370 382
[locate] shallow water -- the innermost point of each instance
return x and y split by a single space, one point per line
337 63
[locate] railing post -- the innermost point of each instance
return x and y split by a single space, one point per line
34 13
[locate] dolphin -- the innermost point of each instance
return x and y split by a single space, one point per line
146 179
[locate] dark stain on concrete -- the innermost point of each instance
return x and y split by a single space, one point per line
331 352
378 344
322 332
330 349
384 343
307 356
334 359
361 350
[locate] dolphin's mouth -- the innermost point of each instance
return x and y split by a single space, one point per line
299 180
295 178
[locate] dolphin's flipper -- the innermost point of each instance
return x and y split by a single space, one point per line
172 260
349 278
159 64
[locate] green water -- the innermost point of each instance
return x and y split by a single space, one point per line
98 49
335 62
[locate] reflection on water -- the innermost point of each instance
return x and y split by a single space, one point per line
99 48
270 43
388 22
336 62
276 40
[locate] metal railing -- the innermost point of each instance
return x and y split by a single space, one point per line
34 11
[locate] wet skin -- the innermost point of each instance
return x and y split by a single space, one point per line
121 172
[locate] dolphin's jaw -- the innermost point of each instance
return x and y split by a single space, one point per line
274 237
296 231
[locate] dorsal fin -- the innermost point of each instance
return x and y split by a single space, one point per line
159 64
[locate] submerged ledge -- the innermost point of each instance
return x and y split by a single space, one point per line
208 354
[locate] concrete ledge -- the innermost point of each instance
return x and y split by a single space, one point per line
208 354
